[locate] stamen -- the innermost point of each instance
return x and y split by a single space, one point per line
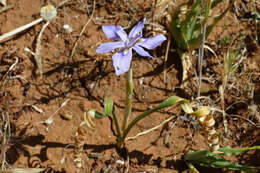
125 51
140 39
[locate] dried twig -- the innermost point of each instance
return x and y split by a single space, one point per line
5 136
166 57
83 30
50 119
6 74
20 29
24 170
151 129
62 3
48 12
5 8
37 56
24 27
3 2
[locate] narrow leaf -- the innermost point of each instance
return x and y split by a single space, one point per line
116 123
235 151
208 159
108 106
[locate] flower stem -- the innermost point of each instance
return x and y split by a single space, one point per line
128 100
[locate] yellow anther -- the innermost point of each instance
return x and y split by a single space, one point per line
140 39
125 51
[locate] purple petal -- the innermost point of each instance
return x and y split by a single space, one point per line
122 61
137 30
107 47
110 32
121 33
141 51
151 43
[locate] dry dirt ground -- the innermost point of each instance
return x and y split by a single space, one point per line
86 78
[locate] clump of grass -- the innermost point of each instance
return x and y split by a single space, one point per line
231 63
190 28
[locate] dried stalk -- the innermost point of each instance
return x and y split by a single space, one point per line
5 135
3 2
24 27
37 56
24 170
5 8
2 82
83 30
20 29
166 58
150 130
79 145
80 138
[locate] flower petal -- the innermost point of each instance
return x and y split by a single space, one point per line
110 31
151 43
122 61
121 33
141 51
137 30
107 47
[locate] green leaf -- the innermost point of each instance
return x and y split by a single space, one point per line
235 151
187 26
218 18
215 3
108 106
168 102
176 30
228 61
209 159
187 33
116 123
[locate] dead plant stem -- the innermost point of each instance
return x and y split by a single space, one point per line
151 129
6 74
5 138
6 8
19 29
83 30
37 55
200 58
166 58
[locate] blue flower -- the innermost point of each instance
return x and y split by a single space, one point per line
122 59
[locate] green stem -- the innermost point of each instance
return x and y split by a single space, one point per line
128 100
